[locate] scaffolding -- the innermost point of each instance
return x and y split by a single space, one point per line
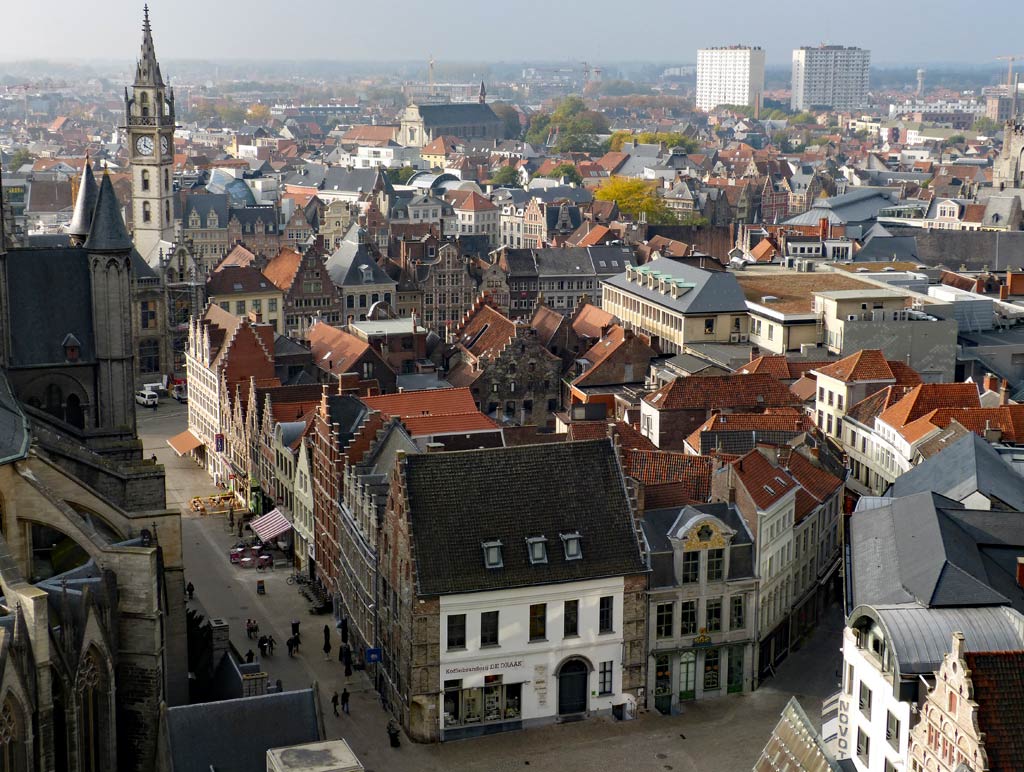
185 289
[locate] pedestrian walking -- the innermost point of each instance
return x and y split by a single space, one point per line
344 700
334 702
295 643
271 643
248 628
249 656
327 650
255 629
295 629
346 658
344 630
393 734
190 589
262 643
290 644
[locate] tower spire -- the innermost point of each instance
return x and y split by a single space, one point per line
147 71
81 220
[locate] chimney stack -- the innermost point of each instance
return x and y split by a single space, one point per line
990 382
1004 393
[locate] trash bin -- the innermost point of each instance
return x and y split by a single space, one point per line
261 587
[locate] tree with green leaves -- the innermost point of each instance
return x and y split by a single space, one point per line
577 127
507 176
566 170
399 175
670 138
636 197
985 125
20 157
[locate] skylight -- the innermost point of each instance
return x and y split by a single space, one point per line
492 554
572 543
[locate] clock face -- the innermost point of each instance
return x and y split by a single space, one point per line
164 144
144 145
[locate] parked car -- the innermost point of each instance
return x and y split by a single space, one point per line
180 393
147 399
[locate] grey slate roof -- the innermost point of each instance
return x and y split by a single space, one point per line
878 248
457 113
658 523
920 636
37 329
203 204
928 549
967 466
974 249
107 232
345 266
713 291
85 203
338 179
460 500
857 206
235 735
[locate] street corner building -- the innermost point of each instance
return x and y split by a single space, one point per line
513 590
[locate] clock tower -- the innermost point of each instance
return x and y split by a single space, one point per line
149 125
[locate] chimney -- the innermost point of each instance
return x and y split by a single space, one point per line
990 382
1004 393
1004 292
823 228
1020 571
992 435
435 447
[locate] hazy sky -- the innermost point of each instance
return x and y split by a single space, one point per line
908 32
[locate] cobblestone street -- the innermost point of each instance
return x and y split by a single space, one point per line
716 735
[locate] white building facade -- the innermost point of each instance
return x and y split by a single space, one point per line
830 76
514 658
732 75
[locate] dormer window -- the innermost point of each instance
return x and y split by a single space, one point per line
537 548
572 544
72 348
492 554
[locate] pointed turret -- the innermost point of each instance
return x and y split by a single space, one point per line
107 232
81 220
147 71
483 93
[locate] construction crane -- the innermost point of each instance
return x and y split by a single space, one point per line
1010 59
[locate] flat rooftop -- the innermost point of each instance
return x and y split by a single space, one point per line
868 291
794 290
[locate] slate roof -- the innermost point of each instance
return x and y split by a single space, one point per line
966 466
998 681
235 735
346 265
14 428
107 231
928 549
203 204
37 330
713 291
459 500
456 114
81 220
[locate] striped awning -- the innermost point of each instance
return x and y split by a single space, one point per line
270 525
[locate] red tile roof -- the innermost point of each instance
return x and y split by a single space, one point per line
926 397
237 256
334 350
819 483
546 321
782 367
411 404
657 467
1009 419
998 680
448 423
869 365
590 321
737 390
765 483
281 270
486 332
781 420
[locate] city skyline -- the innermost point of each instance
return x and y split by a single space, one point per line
483 34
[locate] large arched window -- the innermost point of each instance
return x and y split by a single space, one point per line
92 689
12 737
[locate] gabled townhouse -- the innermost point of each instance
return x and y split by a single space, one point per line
361 282
224 351
303 545
308 290
701 600
676 305
513 377
475 214
792 506
618 361
517 599
448 285
244 290
671 414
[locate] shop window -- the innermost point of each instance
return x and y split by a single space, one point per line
687 675
606 615
489 628
538 622
456 631
571 619
712 670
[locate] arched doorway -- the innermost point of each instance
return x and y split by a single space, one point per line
73 413
572 687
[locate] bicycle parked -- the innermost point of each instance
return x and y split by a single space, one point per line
297 578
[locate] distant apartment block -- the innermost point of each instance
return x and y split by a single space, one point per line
733 75
830 76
